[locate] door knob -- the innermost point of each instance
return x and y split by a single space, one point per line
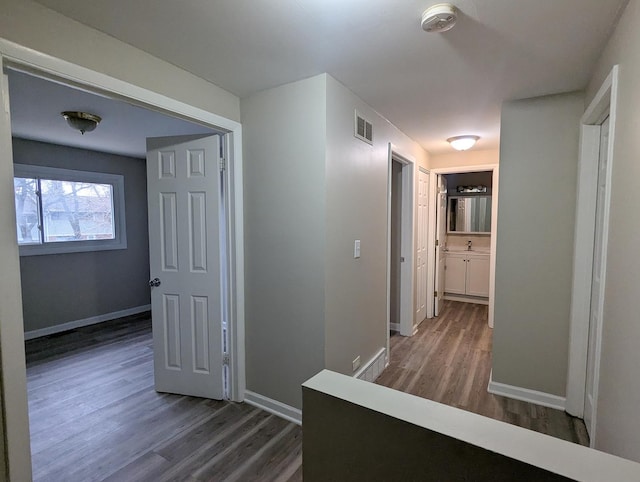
155 282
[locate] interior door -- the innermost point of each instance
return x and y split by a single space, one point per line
421 248
597 287
441 233
183 189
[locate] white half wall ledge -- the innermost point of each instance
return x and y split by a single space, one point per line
93 320
275 407
526 395
554 455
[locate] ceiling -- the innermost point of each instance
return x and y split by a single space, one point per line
36 105
431 86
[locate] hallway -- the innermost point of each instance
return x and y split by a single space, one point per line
449 361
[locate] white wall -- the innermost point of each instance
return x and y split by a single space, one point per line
32 25
284 153
356 173
538 169
618 423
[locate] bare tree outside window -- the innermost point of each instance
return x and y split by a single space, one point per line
77 211
27 210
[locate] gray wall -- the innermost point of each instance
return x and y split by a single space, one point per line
68 287
357 174
618 424
534 257
284 187
311 189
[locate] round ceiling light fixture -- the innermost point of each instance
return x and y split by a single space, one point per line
462 143
81 121
439 18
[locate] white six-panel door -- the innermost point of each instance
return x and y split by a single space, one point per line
183 176
421 245
441 234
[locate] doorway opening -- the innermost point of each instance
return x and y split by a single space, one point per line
44 67
400 242
462 236
590 253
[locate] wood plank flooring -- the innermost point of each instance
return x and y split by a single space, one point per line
449 361
94 415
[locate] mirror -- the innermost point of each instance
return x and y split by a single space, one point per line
469 214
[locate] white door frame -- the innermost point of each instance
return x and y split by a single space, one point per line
407 244
15 417
604 102
433 199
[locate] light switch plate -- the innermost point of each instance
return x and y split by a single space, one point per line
356 249
356 363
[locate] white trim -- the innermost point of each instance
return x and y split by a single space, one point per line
371 370
92 320
23 58
433 262
270 405
526 395
394 326
465 299
604 101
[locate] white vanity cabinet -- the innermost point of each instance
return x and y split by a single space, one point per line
455 273
466 273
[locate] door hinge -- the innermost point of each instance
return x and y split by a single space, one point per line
223 163
437 243
435 293
226 359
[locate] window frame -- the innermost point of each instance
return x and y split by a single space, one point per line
60 247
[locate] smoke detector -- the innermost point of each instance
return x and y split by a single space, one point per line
439 18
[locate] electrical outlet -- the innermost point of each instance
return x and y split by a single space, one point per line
356 363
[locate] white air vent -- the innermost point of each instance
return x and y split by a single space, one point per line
363 129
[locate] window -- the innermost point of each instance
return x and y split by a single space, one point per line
65 211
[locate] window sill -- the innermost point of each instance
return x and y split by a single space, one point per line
71 247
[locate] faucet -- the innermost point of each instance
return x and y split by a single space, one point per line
469 245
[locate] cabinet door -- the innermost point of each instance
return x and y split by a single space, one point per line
454 275
478 276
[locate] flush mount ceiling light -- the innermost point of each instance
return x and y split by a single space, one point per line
439 18
81 121
462 143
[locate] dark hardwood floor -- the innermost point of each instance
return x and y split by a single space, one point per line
94 415
449 361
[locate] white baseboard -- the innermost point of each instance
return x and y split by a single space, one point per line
526 395
29 335
467 299
395 327
273 406
373 368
